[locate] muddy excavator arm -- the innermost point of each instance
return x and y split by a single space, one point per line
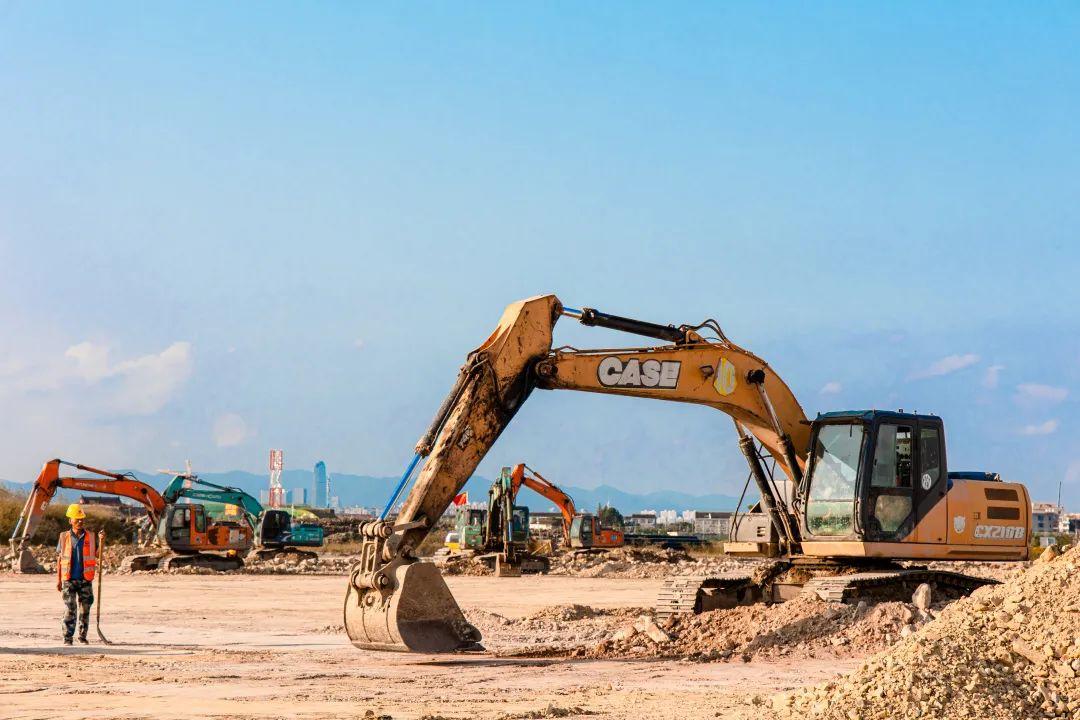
46 485
394 602
545 488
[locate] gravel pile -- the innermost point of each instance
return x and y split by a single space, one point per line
641 562
1008 651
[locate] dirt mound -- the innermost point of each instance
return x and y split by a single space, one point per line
463 565
552 631
573 611
1008 651
803 627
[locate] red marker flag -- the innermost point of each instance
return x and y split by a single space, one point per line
461 499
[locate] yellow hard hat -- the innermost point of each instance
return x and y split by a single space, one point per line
75 511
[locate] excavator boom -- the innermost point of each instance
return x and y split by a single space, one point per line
394 602
547 489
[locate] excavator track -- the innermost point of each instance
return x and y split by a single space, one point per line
693 594
696 594
893 585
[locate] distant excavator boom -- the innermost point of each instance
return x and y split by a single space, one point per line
547 489
46 485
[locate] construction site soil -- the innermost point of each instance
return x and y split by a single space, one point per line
581 641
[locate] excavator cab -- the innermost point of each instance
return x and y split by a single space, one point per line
878 481
587 532
861 481
186 528
581 531
470 528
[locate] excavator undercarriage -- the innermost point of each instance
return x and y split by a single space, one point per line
781 580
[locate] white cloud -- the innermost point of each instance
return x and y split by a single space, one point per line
1046 428
992 376
231 430
91 361
946 365
1032 393
144 385
136 387
831 388
358 343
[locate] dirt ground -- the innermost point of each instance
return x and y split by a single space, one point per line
248 646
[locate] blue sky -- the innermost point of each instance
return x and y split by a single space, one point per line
225 228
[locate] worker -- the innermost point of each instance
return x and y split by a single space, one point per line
75 565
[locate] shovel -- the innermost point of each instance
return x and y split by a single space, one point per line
100 573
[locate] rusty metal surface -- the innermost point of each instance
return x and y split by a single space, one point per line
417 614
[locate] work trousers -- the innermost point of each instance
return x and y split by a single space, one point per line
79 592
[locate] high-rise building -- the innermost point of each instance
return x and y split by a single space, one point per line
319 486
298 496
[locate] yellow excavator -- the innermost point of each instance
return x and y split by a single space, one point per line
843 498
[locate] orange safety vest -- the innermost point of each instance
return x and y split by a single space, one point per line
89 555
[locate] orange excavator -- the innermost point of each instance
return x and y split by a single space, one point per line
853 492
580 530
186 529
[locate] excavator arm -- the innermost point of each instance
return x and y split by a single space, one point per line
545 488
177 489
394 602
46 485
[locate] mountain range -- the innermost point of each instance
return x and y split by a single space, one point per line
372 491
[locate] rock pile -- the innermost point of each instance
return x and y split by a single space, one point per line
1008 651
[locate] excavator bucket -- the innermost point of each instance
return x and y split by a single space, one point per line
415 613
25 562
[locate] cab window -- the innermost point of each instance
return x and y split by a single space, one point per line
929 457
892 457
200 519
180 518
891 482
831 506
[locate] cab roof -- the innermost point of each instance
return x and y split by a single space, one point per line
871 415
